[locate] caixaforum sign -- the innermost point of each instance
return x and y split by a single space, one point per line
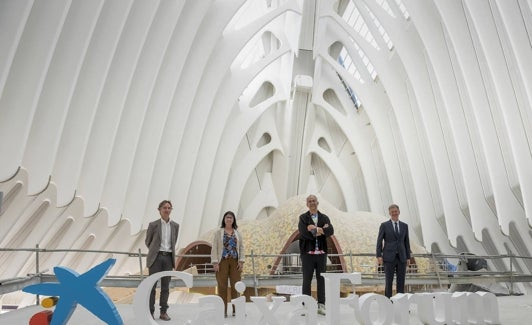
436 308
432 308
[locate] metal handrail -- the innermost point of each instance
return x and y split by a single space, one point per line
371 276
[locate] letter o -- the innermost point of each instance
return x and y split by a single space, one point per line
384 313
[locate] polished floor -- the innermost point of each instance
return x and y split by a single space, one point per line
513 310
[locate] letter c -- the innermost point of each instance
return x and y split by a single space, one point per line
142 296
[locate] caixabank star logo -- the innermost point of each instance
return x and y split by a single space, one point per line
73 289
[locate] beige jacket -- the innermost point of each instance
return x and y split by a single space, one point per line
218 246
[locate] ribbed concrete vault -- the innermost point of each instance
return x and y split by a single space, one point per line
108 107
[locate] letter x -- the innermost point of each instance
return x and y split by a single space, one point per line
267 310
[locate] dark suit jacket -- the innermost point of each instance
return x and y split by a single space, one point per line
389 243
153 240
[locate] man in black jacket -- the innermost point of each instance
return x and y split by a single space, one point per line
314 228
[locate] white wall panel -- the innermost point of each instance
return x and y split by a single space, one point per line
55 98
136 80
177 118
97 162
134 127
145 190
68 168
504 95
517 47
13 17
437 48
25 80
468 57
404 65
429 125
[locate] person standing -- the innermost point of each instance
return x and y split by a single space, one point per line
227 257
393 250
314 228
161 238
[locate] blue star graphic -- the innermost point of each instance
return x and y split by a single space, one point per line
74 289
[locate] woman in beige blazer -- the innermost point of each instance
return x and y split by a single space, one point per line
227 257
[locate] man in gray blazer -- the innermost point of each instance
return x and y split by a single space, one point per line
393 249
161 238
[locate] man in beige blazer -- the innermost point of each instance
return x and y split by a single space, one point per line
161 238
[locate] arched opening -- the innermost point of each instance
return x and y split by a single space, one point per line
290 263
200 264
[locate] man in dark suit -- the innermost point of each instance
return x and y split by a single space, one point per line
161 238
393 249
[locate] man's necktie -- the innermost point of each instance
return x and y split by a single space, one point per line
395 227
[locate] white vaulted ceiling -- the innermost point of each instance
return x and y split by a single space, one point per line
108 107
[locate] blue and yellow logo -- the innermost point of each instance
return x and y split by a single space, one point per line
73 289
